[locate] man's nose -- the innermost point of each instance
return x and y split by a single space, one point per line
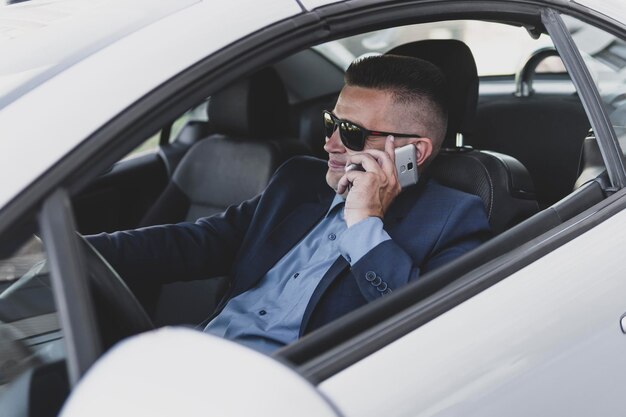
333 143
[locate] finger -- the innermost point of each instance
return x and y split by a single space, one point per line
390 147
386 162
390 166
348 178
368 161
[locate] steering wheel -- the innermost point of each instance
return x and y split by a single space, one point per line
118 312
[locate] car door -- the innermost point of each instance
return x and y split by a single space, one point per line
48 334
539 331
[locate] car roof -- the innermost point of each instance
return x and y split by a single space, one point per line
52 110
51 118
52 27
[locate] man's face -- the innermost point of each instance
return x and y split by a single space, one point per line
374 110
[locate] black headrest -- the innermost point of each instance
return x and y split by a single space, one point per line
456 61
253 107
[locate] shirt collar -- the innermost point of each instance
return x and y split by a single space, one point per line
336 201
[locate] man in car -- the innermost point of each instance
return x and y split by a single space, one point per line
309 250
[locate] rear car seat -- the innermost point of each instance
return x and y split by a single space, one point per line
544 131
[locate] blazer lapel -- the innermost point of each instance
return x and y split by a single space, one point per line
337 268
403 204
397 211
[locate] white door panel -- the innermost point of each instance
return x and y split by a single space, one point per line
182 372
545 341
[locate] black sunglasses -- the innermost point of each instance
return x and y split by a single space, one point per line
352 135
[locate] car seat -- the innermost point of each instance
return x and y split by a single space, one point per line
224 169
235 163
544 131
501 181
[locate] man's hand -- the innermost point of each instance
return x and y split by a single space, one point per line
372 191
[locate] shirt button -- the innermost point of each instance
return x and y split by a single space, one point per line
296 275
262 313
332 236
370 276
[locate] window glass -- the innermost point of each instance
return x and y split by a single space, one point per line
29 327
148 146
605 57
198 113
497 48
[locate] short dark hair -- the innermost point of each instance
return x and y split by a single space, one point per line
410 81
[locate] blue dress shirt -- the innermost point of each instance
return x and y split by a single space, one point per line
269 316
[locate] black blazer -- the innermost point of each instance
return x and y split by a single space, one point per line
429 225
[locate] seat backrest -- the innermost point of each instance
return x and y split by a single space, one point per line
236 163
224 169
501 181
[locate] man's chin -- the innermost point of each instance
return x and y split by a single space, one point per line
332 179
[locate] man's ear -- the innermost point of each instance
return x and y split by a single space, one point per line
424 148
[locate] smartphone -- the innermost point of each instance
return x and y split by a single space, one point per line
406 165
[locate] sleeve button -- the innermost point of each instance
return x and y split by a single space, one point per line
382 287
377 282
370 276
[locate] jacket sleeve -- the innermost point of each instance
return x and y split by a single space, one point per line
184 251
388 266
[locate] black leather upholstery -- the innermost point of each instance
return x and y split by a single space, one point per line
544 132
253 107
501 181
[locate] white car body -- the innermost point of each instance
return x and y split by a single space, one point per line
549 339
522 347
198 383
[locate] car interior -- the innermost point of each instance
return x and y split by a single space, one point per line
521 153
525 148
